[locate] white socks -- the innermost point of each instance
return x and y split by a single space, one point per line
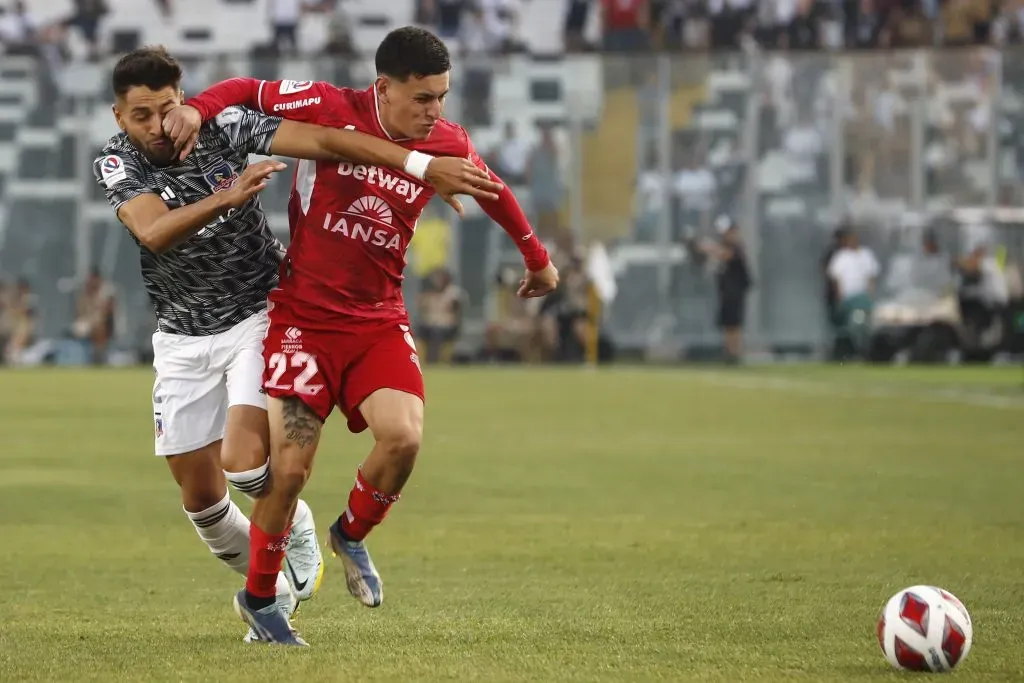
225 530
250 482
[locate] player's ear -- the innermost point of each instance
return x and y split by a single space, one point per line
117 116
381 84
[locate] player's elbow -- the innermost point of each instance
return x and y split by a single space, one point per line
154 242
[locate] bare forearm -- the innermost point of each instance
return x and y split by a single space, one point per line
318 143
176 226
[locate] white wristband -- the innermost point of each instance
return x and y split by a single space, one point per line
416 164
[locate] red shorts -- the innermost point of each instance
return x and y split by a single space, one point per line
339 367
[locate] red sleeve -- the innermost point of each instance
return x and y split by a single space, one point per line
507 213
305 101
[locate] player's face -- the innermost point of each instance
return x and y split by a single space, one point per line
411 108
140 113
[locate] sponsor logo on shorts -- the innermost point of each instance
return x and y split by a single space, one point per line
415 360
159 423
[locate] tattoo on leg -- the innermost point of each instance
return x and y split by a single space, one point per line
301 424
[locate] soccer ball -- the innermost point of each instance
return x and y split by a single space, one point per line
924 628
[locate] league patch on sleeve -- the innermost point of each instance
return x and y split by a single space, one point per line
292 87
112 170
229 116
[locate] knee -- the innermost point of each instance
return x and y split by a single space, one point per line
401 441
288 479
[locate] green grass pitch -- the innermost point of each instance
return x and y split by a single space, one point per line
562 525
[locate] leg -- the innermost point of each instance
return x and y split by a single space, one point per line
244 455
189 401
383 391
396 420
294 435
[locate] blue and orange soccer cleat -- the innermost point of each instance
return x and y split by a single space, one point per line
363 580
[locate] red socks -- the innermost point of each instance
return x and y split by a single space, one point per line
367 508
266 552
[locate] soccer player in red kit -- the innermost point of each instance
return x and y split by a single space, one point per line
339 331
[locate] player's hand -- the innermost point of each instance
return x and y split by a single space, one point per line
451 176
538 283
182 125
252 181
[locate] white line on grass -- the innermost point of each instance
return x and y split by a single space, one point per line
824 388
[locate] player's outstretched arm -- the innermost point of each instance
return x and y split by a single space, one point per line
160 229
541 276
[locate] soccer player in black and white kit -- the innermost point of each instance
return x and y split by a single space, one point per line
209 259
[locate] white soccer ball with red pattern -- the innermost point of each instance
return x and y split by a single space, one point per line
924 628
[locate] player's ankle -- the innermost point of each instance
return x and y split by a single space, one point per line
258 602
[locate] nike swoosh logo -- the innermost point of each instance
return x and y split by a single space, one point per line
295 580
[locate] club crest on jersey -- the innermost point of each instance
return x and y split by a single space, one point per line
221 177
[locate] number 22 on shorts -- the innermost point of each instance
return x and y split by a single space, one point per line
279 364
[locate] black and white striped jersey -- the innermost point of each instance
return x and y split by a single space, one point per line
221 275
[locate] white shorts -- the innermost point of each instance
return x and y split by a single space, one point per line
199 378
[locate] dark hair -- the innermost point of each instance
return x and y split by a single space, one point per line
151 67
411 51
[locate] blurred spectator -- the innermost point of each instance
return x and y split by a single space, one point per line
651 198
733 281
853 269
512 156
907 27
512 334
626 25
564 317
477 36
544 175
930 271
863 24
18 30
431 243
805 28
444 16
695 186
17 322
285 16
87 17
982 292
94 316
576 15
966 22
831 288
165 8
439 308
728 19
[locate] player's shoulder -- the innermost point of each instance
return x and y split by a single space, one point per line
117 159
448 139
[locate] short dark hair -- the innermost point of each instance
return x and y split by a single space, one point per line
151 67
412 51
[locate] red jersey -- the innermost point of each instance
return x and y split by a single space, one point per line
351 224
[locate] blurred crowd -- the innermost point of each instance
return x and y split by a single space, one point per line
478 27
86 338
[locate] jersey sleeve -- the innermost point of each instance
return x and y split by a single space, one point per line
246 130
506 211
121 179
303 101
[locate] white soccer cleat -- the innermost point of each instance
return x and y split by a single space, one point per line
303 561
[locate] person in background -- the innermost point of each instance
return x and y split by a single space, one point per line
94 319
544 175
440 316
18 323
853 269
733 281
